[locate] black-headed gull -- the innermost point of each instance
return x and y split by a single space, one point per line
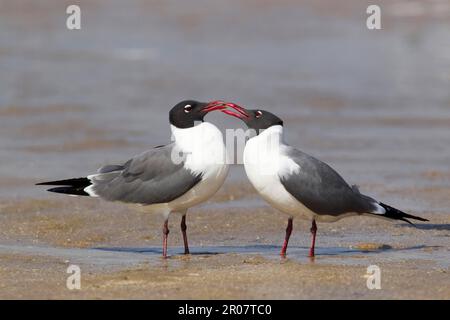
299 184
169 178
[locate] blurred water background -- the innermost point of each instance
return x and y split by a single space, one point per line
375 104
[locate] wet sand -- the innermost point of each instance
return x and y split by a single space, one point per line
234 254
374 105
220 276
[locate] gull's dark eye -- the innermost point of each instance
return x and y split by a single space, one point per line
258 114
188 108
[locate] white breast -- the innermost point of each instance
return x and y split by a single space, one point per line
264 163
206 155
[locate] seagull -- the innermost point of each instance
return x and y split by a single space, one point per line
169 178
298 184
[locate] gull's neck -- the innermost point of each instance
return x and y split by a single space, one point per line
184 133
203 145
273 133
200 135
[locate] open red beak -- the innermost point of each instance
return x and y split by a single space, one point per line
215 105
240 114
222 106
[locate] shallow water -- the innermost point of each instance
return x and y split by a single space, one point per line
126 257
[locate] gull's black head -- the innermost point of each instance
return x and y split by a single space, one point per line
187 112
254 119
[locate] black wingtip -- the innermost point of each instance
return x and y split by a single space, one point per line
69 190
396 214
78 182
74 186
420 219
54 183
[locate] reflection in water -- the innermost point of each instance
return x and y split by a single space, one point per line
332 255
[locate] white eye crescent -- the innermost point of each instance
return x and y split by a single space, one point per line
187 108
258 114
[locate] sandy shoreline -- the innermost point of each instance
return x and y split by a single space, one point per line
235 254
220 276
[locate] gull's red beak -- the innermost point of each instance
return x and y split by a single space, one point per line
223 106
215 105
240 114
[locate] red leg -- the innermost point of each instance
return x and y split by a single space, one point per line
183 230
286 239
165 234
313 243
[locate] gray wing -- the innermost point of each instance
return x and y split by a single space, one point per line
323 190
149 178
